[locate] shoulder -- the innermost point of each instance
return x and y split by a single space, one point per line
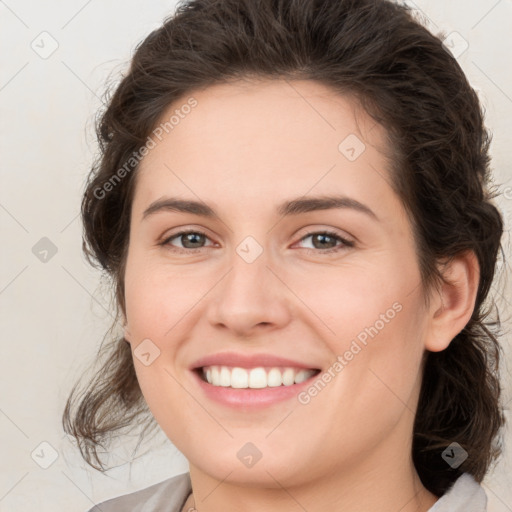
166 496
465 495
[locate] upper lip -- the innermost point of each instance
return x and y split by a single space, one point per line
248 361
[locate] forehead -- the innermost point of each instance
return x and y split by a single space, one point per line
265 138
275 112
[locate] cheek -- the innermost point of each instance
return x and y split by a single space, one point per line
156 299
351 303
384 373
373 326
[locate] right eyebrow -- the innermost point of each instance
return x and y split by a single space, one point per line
179 205
291 207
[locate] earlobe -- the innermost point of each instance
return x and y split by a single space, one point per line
454 306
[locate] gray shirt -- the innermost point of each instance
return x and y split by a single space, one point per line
465 495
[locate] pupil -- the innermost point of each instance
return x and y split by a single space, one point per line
196 238
323 237
190 238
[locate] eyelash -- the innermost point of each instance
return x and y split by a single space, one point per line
344 243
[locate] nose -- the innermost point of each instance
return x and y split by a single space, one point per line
250 298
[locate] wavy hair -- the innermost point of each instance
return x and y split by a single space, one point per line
378 52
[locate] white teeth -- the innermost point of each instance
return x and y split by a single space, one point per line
302 376
225 377
239 378
274 378
288 377
255 378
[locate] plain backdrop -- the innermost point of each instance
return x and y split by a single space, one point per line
55 58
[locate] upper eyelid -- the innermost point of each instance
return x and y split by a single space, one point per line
330 231
185 231
305 231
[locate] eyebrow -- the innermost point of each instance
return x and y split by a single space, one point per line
291 207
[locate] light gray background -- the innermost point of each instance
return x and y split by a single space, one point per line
54 313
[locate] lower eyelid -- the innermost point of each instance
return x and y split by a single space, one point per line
344 243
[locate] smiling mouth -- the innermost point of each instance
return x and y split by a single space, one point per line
254 378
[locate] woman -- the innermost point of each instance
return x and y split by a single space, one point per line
292 201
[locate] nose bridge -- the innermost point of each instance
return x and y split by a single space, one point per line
250 294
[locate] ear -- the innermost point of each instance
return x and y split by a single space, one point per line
453 303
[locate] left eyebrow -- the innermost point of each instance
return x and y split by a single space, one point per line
291 207
310 204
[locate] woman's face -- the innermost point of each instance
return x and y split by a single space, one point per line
272 166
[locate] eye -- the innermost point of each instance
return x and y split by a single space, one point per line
326 241
190 240
323 241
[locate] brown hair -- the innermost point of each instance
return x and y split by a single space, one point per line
376 51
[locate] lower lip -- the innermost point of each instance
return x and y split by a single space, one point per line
249 397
